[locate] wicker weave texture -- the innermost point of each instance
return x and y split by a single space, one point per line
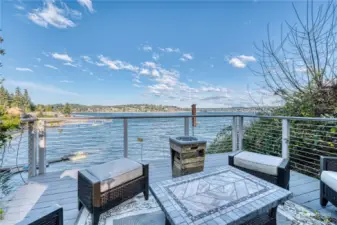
331 164
123 192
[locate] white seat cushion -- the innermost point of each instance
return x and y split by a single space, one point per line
254 161
117 172
330 178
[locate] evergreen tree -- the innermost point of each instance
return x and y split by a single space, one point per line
27 104
67 109
40 108
17 100
4 97
49 108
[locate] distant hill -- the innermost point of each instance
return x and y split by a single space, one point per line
159 108
126 108
77 108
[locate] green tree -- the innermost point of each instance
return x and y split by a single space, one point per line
40 108
27 103
18 99
49 108
4 97
67 109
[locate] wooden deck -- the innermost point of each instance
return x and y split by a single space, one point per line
61 188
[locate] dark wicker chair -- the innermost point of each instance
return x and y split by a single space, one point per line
283 172
327 193
97 202
49 216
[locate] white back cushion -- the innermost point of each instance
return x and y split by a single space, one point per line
117 172
330 179
258 162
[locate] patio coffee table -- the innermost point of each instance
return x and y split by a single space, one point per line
224 196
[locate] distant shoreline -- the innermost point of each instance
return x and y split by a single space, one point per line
134 112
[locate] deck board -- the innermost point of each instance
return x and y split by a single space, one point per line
61 188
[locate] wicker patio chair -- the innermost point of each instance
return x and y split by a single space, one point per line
52 215
328 180
273 169
105 186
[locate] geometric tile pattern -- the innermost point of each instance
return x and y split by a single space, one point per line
225 196
199 196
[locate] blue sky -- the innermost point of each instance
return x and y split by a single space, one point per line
123 52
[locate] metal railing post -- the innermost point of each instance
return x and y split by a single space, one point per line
285 138
31 150
42 146
125 138
186 126
240 132
234 134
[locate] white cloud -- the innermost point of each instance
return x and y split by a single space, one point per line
151 65
213 89
66 81
64 57
144 72
186 57
241 61
215 98
155 73
70 64
155 56
136 80
168 80
39 87
51 67
185 88
38 59
147 48
236 62
23 69
169 50
87 4
72 13
19 7
117 64
99 64
203 83
246 58
50 14
87 59
158 88
45 54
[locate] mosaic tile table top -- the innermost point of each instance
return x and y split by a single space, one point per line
224 196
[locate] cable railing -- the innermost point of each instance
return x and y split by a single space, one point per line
308 141
264 136
67 143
